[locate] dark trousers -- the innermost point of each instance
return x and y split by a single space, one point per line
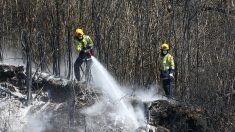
77 65
77 68
167 85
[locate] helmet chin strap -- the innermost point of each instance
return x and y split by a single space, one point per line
164 52
80 38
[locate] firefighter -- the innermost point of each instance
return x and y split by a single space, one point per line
167 68
83 44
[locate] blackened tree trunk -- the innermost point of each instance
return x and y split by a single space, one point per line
69 53
1 50
26 44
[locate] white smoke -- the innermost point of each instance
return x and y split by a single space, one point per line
13 57
15 117
37 123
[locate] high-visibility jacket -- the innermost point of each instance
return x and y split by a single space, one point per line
167 66
82 44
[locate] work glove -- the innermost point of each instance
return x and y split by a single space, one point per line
171 75
88 47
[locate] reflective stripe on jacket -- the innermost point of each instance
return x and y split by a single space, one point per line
81 44
167 66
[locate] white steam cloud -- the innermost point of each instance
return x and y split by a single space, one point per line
15 117
37 123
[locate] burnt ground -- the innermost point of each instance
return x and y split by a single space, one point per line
67 98
62 98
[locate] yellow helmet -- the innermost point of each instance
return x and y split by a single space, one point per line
165 46
79 32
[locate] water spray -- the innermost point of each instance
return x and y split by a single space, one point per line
126 108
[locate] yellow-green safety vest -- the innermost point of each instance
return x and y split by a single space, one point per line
80 44
167 62
167 66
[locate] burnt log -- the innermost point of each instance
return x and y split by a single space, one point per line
43 84
7 72
177 117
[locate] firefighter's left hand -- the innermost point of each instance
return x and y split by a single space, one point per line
171 75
